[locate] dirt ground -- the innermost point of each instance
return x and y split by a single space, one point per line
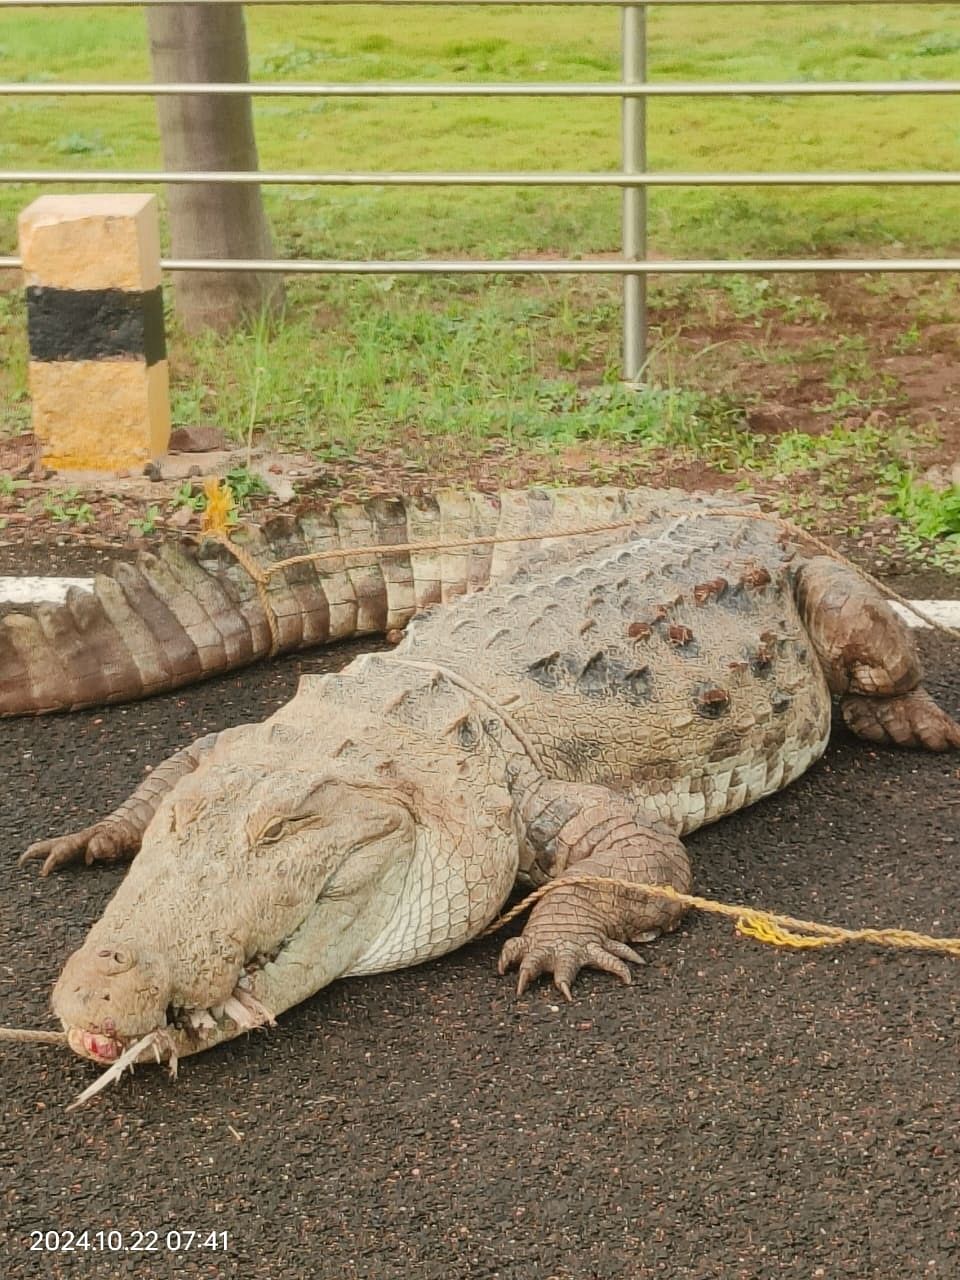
814 355
739 1112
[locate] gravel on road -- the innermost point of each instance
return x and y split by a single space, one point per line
739 1112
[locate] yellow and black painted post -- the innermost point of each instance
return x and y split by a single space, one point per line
98 373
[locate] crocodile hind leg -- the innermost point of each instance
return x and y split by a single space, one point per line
117 837
870 659
569 830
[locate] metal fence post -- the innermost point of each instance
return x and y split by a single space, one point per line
634 208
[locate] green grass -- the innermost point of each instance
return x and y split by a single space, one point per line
425 363
533 364
930 518
779 43
931 513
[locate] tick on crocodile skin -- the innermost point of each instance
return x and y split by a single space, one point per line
703 592
711 701
755 576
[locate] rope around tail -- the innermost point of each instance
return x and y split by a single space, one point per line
763 926
220 506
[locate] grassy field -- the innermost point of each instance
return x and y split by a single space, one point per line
533 364
352 44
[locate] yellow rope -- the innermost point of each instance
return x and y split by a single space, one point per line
763 926
769 927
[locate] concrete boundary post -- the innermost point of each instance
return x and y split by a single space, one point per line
98 372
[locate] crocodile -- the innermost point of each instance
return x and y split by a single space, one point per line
570 722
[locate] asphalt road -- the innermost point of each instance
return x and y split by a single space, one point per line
739 1112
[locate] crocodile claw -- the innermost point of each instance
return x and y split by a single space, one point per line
104 842
564 958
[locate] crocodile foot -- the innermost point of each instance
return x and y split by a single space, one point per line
602 853
107 841
911 720
564 954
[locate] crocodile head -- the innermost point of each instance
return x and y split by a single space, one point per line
253 888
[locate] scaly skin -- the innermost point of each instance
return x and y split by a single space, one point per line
191 611
577 719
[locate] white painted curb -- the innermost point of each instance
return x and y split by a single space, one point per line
54 590
946 612
31 590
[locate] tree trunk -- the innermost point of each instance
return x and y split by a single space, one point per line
203 42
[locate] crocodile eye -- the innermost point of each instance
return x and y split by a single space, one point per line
273 830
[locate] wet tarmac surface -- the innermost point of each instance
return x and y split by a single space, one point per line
739 1112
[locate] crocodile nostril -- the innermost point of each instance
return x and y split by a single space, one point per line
115 960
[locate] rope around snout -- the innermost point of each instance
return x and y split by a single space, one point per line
33 1037
220 504
768 927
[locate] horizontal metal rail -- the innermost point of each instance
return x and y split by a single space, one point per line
534 178
454 4
546 266
548 89
632 90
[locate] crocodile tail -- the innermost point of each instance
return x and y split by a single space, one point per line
192 610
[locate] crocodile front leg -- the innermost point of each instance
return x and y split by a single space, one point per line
570 832
117 837
870 659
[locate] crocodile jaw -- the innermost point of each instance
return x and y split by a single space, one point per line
189 1031
98 1048
205 939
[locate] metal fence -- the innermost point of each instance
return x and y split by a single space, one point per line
633 90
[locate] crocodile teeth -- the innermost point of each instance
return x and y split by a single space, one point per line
125 1060
258 1010
235 1010
246 1011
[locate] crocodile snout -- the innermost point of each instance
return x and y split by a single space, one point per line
110 992
90 1045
